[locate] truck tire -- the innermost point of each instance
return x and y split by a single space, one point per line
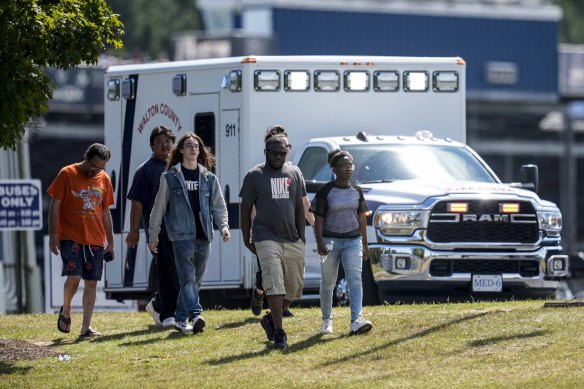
370 291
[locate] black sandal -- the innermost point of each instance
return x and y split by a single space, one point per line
63 320
90 333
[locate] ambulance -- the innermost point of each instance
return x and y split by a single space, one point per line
385 110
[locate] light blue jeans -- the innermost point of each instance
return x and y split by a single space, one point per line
350 253
191 260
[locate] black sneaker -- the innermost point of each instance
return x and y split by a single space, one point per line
198 324
257 302
286 313
280 340
268 325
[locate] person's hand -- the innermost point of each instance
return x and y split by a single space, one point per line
110 248
321 248
54 244
365 252
132 239
225 234
251 247
153 246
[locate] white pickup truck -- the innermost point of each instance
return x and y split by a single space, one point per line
443 222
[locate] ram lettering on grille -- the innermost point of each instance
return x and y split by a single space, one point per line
494 218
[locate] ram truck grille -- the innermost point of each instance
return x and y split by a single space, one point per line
483 222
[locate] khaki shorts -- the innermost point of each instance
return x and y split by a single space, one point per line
282 266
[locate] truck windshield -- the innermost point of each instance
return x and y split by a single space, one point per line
387 163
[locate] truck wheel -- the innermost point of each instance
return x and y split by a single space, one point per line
342 293
370 291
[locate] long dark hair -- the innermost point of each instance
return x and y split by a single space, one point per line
205 158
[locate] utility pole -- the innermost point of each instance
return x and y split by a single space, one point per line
574 111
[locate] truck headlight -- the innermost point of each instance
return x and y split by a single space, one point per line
400 222
551 222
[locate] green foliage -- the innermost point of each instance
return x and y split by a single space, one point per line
571 27
149 25
40 33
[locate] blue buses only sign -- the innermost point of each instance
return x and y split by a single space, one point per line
20 205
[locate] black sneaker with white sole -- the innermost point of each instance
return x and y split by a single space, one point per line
198 324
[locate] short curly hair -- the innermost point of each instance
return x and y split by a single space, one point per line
335 155
98 150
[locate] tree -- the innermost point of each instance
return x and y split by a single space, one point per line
41 33
149 25
571 27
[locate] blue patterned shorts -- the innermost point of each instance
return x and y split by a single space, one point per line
81 260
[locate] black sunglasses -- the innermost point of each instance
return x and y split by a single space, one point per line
281 154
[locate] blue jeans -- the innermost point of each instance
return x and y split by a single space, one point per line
350 253
191 260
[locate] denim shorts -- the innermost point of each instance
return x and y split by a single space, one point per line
81 260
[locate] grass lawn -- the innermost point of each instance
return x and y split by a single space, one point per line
511 344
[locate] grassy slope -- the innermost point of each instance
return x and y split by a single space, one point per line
511 344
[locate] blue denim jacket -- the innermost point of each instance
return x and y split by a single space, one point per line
172 203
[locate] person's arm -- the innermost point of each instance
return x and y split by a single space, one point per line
307 214
318 226
300 220
158 211
53 222
246 207
106 218
219 211
135 217
363 230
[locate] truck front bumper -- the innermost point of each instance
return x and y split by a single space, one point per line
417 269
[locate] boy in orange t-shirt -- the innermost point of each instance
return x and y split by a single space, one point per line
80 227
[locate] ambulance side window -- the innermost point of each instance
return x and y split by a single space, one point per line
314 165
205 128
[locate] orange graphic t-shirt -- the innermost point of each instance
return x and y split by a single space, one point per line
82 200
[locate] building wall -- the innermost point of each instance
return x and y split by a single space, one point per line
531 45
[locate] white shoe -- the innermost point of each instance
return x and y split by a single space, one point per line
168 322
360 326
155 315
183 326
327 326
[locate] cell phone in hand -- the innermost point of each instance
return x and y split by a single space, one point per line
108 256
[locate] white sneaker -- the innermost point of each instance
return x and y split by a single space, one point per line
155 315
327 326
168 322
183 326
360 326
198 324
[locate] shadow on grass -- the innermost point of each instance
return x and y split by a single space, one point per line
105 337
497 339
227 326
7 368
173 335
313 340
420 334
